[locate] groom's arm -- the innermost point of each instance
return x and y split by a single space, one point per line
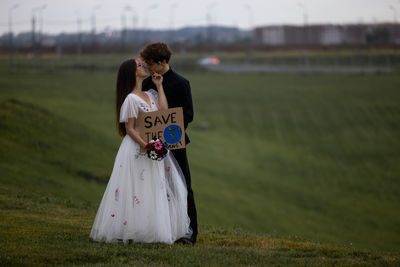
187 104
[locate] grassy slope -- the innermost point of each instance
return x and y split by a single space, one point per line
47 209
279 182
315 156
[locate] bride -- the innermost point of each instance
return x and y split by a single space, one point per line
145 200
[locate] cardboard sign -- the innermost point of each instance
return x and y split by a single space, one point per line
166 125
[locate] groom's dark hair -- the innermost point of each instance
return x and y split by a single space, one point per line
156 52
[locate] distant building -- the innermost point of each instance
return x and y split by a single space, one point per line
331 35
212 37
328 35
272 35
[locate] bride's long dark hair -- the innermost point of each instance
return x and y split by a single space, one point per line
126 81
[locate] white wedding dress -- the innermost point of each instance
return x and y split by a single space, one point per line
145 200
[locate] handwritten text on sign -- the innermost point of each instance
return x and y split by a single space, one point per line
166 125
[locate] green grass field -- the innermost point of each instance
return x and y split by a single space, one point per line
293 169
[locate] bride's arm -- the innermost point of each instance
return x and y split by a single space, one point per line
162 99
130 130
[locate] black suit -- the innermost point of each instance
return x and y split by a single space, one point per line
178 93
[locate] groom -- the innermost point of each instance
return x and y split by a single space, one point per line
178 93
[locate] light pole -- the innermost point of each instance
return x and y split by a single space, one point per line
305 31
394 13
305 15
146 19
250 11
395 40
305 18
79 34
134 18
34 41
146 14
210 34
124 28
94 24
172 20
10 26
43 7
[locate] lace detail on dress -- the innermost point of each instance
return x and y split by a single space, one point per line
154 93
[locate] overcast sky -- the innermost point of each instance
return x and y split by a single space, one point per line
61 15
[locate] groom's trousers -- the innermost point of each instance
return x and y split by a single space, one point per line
181 158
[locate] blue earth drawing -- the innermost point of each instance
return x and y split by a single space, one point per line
172 134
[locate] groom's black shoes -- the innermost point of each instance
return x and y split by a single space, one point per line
130 241
184 241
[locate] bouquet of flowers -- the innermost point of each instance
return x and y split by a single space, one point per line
156 149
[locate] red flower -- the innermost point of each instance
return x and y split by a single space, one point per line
160 153
148 147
